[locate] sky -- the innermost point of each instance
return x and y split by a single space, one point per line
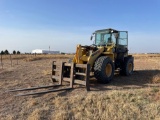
62 24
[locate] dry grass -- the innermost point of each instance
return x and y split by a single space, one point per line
146 55
39 114
32 57
135 97
156 79
115 105
47 72
31 103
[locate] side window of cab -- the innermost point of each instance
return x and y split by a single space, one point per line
113 39
123 38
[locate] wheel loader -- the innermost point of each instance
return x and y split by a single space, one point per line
108 53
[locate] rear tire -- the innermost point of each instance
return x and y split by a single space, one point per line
103 69
127 66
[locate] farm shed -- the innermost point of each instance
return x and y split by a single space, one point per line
41 51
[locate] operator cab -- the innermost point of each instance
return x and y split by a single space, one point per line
110 36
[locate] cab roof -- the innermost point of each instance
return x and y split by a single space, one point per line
108 29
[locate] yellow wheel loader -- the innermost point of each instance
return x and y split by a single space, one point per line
108 53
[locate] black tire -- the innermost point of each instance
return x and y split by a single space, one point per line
103 69
127 66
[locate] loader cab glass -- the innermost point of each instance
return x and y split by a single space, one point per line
103 38
123 38
106 37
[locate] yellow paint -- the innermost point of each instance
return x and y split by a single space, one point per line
94 56
83 56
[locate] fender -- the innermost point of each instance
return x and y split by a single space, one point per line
94 56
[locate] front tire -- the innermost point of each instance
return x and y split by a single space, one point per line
103 69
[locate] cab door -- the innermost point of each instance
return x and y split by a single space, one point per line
122 45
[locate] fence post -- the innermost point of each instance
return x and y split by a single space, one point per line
17 59
1 62
11 60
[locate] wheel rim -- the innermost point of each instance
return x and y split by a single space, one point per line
108 70
130 66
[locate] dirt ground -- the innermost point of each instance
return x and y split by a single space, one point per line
36 73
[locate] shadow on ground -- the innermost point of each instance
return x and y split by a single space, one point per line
139 79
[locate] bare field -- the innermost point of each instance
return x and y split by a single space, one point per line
133 97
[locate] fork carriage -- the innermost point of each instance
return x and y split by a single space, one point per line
63 72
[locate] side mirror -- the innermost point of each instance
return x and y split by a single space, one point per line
91 37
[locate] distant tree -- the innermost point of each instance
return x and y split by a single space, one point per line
18 52
2 52
6 52
14 52
63 53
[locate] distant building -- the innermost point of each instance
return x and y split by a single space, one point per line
41 51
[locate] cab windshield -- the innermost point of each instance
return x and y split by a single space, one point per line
103 38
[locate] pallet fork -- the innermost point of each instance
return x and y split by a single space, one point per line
63 72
